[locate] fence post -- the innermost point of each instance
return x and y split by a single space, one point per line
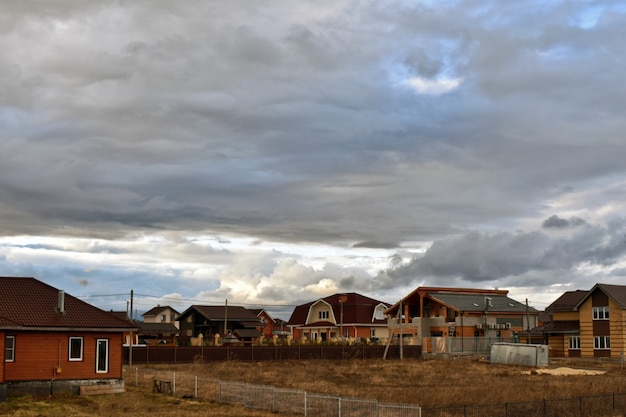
195 387
339 407
173 382
136 376
305 405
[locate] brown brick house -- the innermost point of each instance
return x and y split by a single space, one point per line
587 324
51 341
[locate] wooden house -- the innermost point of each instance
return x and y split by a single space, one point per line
51 341
339 316
210 322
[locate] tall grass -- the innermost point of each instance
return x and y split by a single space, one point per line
427 383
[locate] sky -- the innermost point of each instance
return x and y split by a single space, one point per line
270 153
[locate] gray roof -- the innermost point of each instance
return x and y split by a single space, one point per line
476 302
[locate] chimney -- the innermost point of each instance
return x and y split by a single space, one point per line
61 302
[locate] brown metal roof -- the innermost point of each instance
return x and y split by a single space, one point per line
567 301
235 313
30 303
156 310
616 292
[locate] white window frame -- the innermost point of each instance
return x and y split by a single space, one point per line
602 342
600 313
9 351
324 314
70 349
574 343
99 360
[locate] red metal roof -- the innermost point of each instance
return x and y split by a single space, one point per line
30 303
357 309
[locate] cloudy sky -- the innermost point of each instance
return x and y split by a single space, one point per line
273 152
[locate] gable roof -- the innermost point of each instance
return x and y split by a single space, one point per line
568 301
616 292
158 309
27 303
219 313
476 302
260 311
467 299
161 328
357 309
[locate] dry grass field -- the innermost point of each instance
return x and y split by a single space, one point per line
427 383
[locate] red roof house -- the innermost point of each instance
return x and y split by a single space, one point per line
52 342
337 316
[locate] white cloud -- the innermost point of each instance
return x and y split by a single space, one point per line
433 87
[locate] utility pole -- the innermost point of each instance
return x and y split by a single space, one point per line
225 317
400 336
130 339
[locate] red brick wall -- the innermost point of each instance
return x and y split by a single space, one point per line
39 356
1 357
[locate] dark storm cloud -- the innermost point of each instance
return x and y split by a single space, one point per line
555 222
479 258
362 125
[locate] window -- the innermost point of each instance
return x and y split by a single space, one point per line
76 349
102 356
323 314
379 314
9 349
601 313
602 342
163 317
373 333
574 342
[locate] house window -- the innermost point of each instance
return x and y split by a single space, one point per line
76 349
189 319
102 356
601 313
574 342
379 314
323 314
9 349
163 317
373 333
602 342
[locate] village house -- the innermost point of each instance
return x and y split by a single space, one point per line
213 322
339 316
53 342
429 312
587 324
161 314
268 322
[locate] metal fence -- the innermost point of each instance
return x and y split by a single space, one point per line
299 402
270 398
588 406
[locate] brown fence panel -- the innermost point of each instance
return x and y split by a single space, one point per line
190 354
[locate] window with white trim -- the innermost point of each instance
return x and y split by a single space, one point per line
601 313
9 349
75 347
323 314
102 356
602 342
574 342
